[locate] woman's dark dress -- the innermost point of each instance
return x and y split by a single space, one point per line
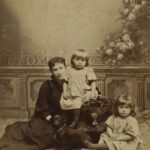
37 133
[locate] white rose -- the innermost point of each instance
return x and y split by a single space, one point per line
137 7
113 61
118 40
130 44
112 44
123 47
120 56
133 11
126 37
126 11
118 44
131 17
109 51
143 2
125 31
126 1
141 43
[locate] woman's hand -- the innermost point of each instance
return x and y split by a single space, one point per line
48 118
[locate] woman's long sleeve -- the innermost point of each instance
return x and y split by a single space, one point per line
42 107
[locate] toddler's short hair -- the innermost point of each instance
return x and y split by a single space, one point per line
80 53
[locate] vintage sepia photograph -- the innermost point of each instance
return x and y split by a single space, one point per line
75 74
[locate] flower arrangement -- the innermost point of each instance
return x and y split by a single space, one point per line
131 43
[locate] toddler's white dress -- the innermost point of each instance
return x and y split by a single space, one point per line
78 83
120 126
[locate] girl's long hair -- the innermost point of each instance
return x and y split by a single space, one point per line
124 99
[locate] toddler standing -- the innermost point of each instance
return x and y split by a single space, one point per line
79 86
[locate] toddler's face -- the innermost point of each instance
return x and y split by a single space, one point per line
79 62
124 110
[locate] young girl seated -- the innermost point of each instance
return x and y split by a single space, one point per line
122 128
79 86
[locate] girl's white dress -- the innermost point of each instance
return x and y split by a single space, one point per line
121 126
78 83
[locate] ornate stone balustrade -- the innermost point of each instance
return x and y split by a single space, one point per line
21 77
41 60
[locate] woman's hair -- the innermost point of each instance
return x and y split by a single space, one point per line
54 60
124 99
80 53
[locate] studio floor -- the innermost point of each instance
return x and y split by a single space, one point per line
144 128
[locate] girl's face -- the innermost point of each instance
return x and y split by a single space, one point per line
124 110
79 62
58 71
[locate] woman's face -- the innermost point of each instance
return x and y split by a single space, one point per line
58 71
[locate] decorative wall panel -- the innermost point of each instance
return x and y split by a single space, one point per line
9 87
9 96
147 92
22 76
120 85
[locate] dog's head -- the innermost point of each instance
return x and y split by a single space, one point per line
58 121
100 108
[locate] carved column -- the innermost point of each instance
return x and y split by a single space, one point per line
108 87
147 92
140 91
23 97
101 84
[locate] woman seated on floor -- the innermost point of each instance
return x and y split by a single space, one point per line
38 133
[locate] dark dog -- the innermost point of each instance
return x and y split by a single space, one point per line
67 138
